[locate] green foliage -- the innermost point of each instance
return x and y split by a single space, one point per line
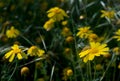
61 60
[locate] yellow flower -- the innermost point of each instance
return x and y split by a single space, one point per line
35 51
69 39
64 23
119 66
40 79
98 67
25 71
108 14
66 31
15 51
93 37
96 49
12 32
67 51
56 14
116 50
84 32
49 25
117 35
67 72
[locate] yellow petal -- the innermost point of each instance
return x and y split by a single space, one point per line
7 55
84 53
12 57
19 56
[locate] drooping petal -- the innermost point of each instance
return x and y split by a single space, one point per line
19 56
12 57
7 55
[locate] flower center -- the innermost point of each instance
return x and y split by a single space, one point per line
94 50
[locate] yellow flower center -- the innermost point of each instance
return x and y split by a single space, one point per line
85 30
57 11
94 50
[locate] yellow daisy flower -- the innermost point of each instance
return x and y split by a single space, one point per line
96 49
84 32
67 72
93 37
117 35
35 51
49 25
64 23
56 14
108 14
12 32
16 51
66 32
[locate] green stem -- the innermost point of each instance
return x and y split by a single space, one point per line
35 74
107 67
13 72
89 69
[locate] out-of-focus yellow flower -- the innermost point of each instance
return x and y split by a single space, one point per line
117 35
116 50
16 51
49 24
98 67
40 79
12 32
107 55
84 32
93 37
1 4
56 14
66 32
69 39
3 38
64 23
108 14
67 51
25 71
119 66
67 72
35 51
96 49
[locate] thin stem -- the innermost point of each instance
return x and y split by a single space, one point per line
13 72
107 67
89 69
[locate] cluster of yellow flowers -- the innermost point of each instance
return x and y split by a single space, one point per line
86 33
18 52
55 14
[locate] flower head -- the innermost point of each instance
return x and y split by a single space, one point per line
93 37
117 35
25 71
12 32
56 14
108 14
35 51
49 24
84 32
64 23
67 72
66 32
95 49
15 51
